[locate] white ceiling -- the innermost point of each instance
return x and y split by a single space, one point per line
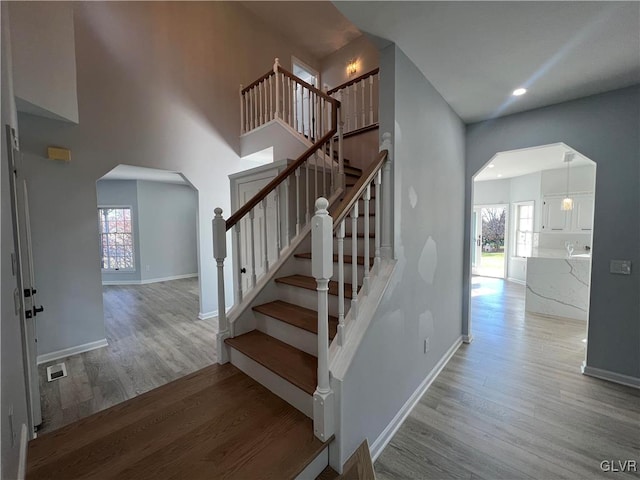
129 172
317 27
476 53
515 163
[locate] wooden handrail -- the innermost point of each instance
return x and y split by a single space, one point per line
253 84
358 189
355 80
308 86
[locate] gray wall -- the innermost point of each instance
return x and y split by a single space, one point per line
605 128
12 385
157 87
121 193
424 297
167 224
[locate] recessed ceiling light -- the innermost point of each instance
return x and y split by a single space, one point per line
499 175
519 91
491 165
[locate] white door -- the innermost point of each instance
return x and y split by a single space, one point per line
254 259
25 275
476 240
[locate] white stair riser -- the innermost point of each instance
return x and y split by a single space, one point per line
303 267
308 298
287 333
299 399
315 468
347 246
372 225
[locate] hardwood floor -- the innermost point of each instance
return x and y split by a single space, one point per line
154 337
513 404
214 423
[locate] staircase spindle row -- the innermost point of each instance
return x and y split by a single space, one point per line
359 101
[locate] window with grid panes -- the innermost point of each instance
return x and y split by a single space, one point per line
524 229
116 238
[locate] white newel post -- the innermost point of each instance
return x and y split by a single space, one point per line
220 253
387 229
276 66
322 270
341 176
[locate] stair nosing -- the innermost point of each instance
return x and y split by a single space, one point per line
258 309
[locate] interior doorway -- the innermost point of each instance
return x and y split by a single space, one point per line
303 101
489 232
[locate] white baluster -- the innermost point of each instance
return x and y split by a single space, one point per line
333 179
309 121
265 244
340 237
298 201
324 171
365 279
341 176
386 250
252 247
355 106
271 106
354 261
260 104
238 265
377 216
265 94
371 100
363 85
289 99
347 108
322 270
276 71
295 107
315 174
251 119
276 197
219 226
241 111
307 216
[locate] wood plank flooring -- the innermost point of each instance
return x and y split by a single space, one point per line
513 404
154 337
215 423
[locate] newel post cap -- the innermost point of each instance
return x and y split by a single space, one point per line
219 227
276 64
322 241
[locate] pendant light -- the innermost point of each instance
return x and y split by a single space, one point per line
567 201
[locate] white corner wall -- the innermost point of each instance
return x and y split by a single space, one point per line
44 59
424 298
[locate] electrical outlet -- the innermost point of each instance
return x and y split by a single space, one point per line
426 345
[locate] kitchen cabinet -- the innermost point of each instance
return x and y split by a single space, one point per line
578 220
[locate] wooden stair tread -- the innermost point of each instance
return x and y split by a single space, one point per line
309 283
166 433
347 258
296 315
295 366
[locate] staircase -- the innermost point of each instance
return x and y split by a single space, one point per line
282 324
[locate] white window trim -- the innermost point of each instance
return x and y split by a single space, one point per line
516 222
296 61
133 238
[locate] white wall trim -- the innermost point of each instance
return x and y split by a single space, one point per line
387 434
516 280
610 376
211 314
22 461
66 352
149 280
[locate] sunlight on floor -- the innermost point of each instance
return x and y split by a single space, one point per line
485 286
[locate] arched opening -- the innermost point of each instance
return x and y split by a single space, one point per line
545 197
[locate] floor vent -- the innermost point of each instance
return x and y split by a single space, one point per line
54 372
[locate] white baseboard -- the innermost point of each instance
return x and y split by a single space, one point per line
85 347
387 434
149 280
467 339
611 376
516 280
211 314
22 461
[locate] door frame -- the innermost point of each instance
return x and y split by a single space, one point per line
507 237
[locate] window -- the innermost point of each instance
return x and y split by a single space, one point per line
116 238
524 229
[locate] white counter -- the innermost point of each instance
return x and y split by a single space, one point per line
558 286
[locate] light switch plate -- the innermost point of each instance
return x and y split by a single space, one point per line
620 267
